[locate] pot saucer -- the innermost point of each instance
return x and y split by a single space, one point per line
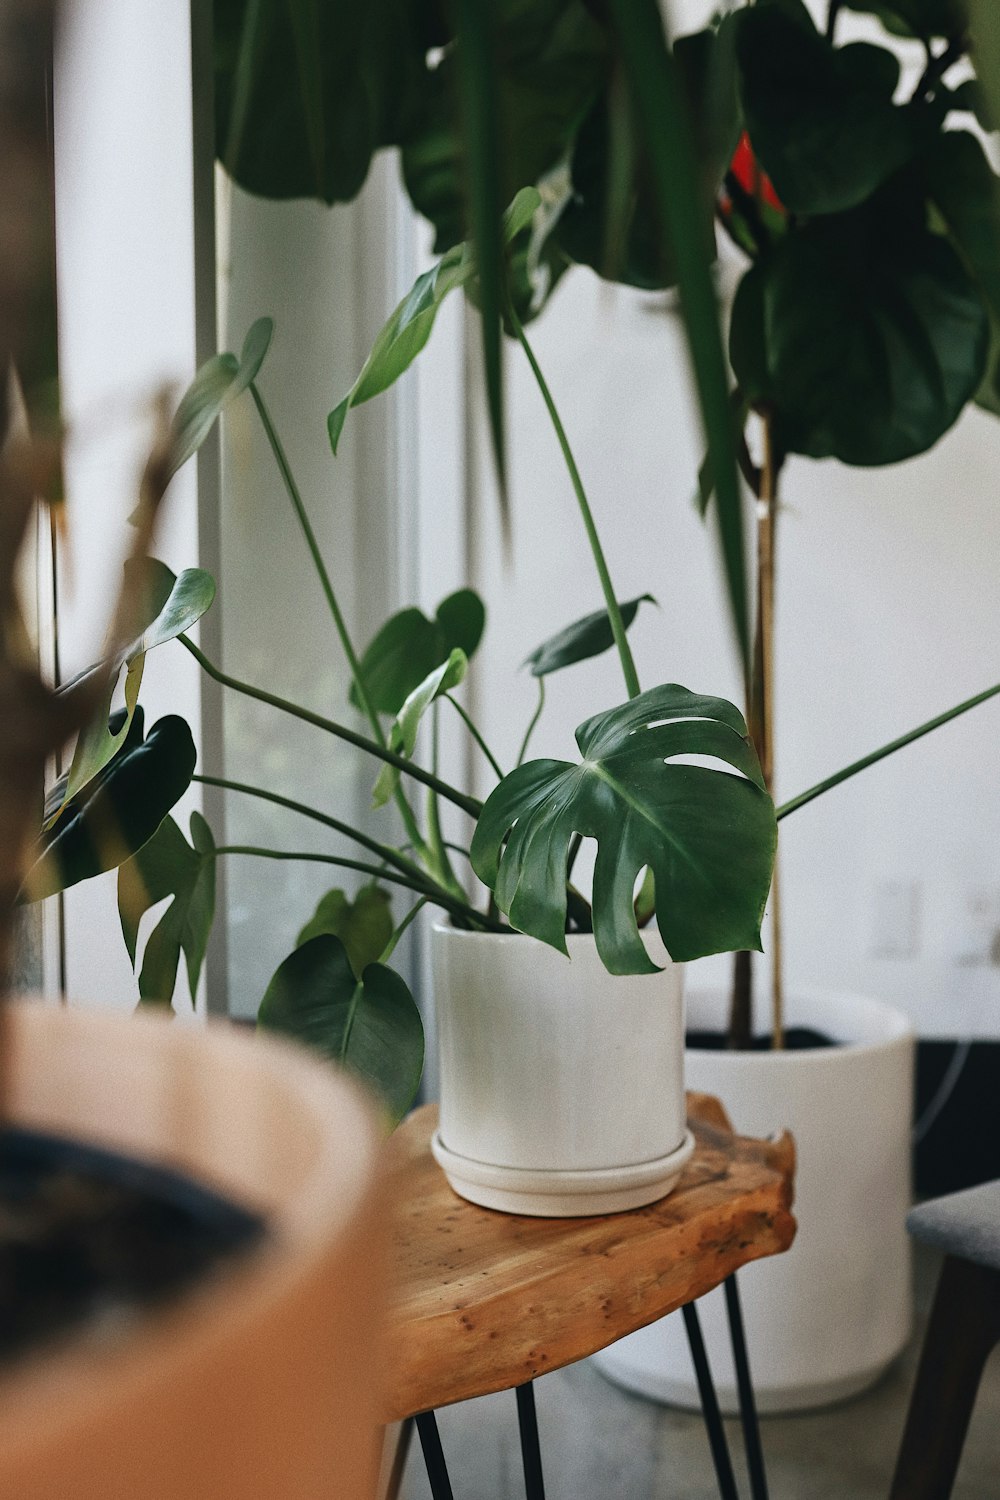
562 1194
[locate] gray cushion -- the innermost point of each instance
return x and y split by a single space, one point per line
965 1224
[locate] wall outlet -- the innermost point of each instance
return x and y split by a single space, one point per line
973 936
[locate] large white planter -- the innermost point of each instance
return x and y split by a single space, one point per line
825 1319
562 1087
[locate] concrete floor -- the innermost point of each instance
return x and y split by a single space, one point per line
598 1443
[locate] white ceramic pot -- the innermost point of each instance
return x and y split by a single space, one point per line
562 1086
825 1319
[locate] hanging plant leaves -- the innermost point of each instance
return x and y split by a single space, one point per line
707 836
966 193
363 925
408 329
550 63
370 1026
409 646
306 93
118 810
864 331
585 638
612 221
219 381
821 119
169 866
403 734
166 607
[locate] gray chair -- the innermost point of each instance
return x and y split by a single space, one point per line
964 1328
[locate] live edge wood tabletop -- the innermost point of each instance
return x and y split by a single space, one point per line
485 1301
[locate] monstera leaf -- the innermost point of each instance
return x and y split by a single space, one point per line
923 18
585 638
369 1025
119 809
363 925
708 836
403 734
169 866
220 380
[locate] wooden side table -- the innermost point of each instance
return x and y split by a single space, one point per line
486 1301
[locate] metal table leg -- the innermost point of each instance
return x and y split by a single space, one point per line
710 1406
437 1469
531 1453
748 1406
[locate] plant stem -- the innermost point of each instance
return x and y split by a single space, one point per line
534 720
494 764
298 505
610 598
470 805
767 522
876 755
439 897
384 851
390 946
938 66
831 18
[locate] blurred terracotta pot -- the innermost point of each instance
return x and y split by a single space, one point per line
263 1380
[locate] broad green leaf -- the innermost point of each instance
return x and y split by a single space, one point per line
966 193
652 78
218 382
305 93
363 925
166 607
403 734
583 639
984 33
169 866
119 809
371 1026
408 329
409 646
821 119
707 836
879 367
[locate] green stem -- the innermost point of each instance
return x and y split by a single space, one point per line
534 720
390 946
890 749
494 764
384 851
298 505
610 599
439 897
470 805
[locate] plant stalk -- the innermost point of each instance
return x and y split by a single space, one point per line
597 551
470 805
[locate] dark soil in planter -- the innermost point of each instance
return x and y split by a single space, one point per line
89 1239
797 1039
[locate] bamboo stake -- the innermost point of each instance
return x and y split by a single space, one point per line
767 510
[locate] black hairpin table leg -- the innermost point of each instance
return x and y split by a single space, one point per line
748 1405
710 1406
531 1453
437 1469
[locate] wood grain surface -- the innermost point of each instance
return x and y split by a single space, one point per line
483 1301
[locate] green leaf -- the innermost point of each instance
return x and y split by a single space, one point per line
877 367
363 925
371 1026
651 74
166 607
408 329
984 33
119 809
168 866
821 119
583 639
305 93
403 734
218 382
707 836
409 646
